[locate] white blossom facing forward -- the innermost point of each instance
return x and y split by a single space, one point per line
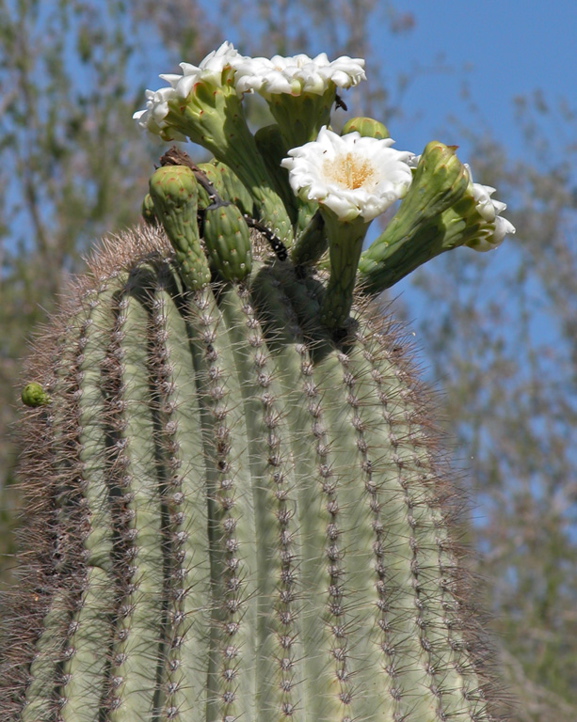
490 211
351 175
297 74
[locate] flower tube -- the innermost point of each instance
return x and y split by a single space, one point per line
353 179
300 90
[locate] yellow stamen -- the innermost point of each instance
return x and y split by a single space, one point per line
349 171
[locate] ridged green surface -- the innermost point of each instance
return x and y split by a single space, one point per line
227 240
228 185
240 519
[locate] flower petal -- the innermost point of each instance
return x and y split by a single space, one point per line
489 210
209 71
351 175
298 74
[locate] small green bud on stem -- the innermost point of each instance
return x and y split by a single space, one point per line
366 128
227 239
148 210
228 185
33 395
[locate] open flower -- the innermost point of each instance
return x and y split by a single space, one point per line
495 227
351 175
153 117
209 71
298 74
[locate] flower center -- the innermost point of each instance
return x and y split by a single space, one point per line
349 171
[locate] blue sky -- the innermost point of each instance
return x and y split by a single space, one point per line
499 48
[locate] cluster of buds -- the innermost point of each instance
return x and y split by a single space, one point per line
314 188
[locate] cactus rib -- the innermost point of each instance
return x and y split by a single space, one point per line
251 519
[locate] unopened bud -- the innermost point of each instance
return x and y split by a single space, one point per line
366 128
173 189
148 211
33 395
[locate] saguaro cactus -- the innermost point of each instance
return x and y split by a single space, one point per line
239 509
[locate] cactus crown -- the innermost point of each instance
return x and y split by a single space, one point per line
240 506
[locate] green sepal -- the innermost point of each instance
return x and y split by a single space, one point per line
174 191
417 231
366 127
227 240
300 117
462 223
33 395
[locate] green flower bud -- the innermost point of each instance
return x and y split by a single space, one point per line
227 239
228 185
34 395
417 232
148 211
366 127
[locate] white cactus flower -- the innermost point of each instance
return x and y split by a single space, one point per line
153 117
297 74
490 210
351 175
209 70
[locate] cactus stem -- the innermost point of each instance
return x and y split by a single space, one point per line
242 517
188 577
89 644
345 246
136 650
231 507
